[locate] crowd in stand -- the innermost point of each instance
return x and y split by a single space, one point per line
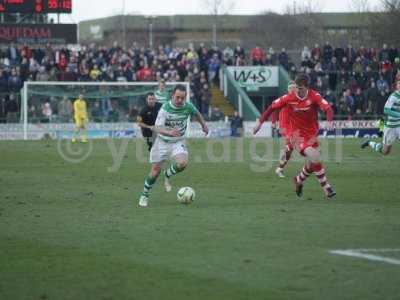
356 81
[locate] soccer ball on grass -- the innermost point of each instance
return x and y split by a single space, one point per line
185 195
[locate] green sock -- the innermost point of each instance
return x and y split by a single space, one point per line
172 170
148 185
377 147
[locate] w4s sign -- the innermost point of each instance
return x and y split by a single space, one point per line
258 76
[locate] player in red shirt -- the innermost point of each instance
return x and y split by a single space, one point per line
284 118
303 130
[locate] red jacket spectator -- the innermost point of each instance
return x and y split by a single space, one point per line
257 55
144 74
63 62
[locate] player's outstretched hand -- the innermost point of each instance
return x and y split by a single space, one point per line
205 129
256 129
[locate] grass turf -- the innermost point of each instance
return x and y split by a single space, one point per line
74 231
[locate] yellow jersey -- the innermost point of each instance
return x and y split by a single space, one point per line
80 109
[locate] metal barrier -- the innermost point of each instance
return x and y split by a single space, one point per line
238 97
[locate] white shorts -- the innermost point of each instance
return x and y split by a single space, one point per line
162 151
390 135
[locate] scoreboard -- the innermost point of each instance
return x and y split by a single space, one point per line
36 6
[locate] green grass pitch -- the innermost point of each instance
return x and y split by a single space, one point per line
74 231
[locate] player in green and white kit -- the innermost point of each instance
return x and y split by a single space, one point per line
391 132
171 125
161 94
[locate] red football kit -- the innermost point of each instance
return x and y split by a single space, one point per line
284 118
301 117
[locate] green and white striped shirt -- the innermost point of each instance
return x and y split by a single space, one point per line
172 117
162 97
392 110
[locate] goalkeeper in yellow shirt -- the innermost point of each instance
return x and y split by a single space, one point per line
81 118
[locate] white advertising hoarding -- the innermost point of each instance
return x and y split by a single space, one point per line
252 77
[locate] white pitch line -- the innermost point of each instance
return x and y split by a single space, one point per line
377 250
359 254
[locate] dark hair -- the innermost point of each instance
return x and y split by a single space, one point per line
302 80
149 94
179 87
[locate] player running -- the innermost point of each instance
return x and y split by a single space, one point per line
171 124
81 118
284 129
162 94
391 131
303 130
147 118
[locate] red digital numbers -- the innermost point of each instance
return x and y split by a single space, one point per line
67 4
38 6
35 6
53 4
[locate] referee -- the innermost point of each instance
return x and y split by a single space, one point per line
147 118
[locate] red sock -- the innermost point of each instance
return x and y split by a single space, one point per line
320 173
304 174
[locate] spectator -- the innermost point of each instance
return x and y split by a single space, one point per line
3 82
65 110
384 53
228 52
236 124
359 101
47 113
327 52
3 109
283 59
316 53
257 56
371 98
393 54
42 74
239 53
305 54
205 99
350 54
213 69
12 109
14 82
382 84
217 114
331 98
133 113
95 73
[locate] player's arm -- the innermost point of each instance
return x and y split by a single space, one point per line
199 118
142 124
159 126
85 113
75 107
275 118
389 108
140 120
326 108
276 105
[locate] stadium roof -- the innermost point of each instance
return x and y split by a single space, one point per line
203 22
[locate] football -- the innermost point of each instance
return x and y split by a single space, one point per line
186 195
